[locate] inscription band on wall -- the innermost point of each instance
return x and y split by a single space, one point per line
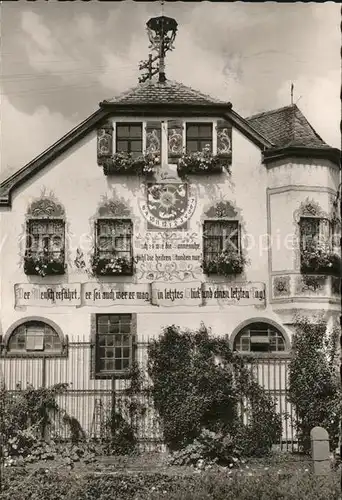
159 293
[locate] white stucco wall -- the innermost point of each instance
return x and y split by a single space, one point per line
79 184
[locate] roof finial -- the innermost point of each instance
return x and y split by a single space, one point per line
161 32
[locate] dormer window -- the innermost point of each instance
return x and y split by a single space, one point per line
129 138
199 136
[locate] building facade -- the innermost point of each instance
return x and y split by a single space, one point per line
165 207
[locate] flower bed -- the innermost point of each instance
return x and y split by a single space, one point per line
126 164
226 264
320 260
202 162
111 266
44 264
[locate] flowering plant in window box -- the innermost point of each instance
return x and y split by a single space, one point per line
126 164
44 263
320 258
226 263
111 266
201 162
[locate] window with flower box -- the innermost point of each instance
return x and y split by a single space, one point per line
114 344
34 337
199 136
259 337
129 138
113 253
316 246
45 241
222 247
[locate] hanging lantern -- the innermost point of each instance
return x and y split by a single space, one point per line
162 32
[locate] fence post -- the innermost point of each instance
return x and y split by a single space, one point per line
320 450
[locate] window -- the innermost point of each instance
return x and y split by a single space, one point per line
113 343
114 237
44 247
46 237
129 138
34 337
259 337
199 136
314 230
219 236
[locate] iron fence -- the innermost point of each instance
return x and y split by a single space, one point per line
90 401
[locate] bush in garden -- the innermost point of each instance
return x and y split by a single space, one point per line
26 416
198 383
120 429
207 449
314 385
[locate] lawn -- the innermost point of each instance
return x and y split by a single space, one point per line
148 477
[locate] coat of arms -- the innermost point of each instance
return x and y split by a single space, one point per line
168 205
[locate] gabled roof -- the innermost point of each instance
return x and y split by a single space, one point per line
278 133
168 92
287 127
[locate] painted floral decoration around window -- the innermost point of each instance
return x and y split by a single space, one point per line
201 162
128 164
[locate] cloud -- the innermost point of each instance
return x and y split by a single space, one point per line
67 57
24 137
318 99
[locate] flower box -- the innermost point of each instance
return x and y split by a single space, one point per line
320 260
126 164
111 266
44 263
225 264
202 162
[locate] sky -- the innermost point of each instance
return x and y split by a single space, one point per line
60 59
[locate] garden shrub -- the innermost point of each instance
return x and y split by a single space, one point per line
207 449
121 422
28 416
314 386
198 383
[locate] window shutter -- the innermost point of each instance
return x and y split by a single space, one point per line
104 142
175 143
224 138
96 235
153 137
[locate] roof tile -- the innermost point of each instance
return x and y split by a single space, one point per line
168 92
286 127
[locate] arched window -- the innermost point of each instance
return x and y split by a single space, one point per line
259 337
34 337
